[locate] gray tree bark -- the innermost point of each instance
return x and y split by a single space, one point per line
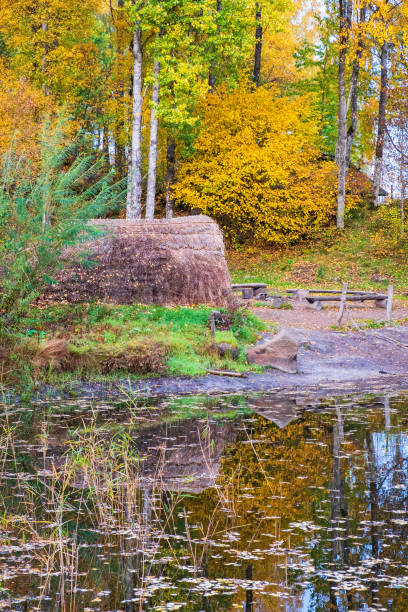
170 176
258 46
134 201
382 105
351 132
119 123
154 124
345 13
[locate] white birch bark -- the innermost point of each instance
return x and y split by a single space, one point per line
379 148
154 123
134 201
345 14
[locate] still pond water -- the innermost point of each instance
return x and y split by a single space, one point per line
258 503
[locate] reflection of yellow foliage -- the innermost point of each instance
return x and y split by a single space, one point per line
256 169
279 473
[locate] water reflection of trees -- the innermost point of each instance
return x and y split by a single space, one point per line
343 469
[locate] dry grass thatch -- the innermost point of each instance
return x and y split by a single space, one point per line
164 261
58 355
53 354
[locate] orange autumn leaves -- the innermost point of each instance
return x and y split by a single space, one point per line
22 109
258 170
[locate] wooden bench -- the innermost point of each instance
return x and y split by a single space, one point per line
333 295
250 290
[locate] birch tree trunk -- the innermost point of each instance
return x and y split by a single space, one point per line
211 75
379 148
258 46
351 132
134 202
345 12
170 176
154 123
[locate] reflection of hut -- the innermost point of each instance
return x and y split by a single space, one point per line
279 411
164 261
184 456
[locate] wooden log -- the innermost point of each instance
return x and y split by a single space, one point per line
342 303
351 298
334 291
226 373
252 285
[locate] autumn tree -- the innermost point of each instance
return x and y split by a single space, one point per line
257 168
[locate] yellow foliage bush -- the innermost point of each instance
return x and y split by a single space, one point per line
387 236
257 170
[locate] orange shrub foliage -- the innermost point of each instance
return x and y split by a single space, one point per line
257 169
22 110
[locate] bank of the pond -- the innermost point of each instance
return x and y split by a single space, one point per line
330 362
60 343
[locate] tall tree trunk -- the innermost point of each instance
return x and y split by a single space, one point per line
258 46
345 13
134 203
211 75
119 121
374 510
154 124
351 132
379 148
44 59
170 176
105 146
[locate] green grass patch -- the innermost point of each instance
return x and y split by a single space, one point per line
100 341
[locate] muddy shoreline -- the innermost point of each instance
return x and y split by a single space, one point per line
329 363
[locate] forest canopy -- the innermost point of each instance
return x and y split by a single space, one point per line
253 112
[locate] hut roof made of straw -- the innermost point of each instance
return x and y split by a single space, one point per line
198 233
161 261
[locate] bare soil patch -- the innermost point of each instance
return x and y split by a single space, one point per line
303 316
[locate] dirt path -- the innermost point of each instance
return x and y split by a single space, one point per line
303 316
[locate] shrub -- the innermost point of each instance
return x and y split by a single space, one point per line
41 214
257 169
387 235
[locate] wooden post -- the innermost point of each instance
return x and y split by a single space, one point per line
213 326
342 303
389 302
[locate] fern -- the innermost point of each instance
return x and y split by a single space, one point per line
42 213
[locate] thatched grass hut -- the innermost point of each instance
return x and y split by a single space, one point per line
164 261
